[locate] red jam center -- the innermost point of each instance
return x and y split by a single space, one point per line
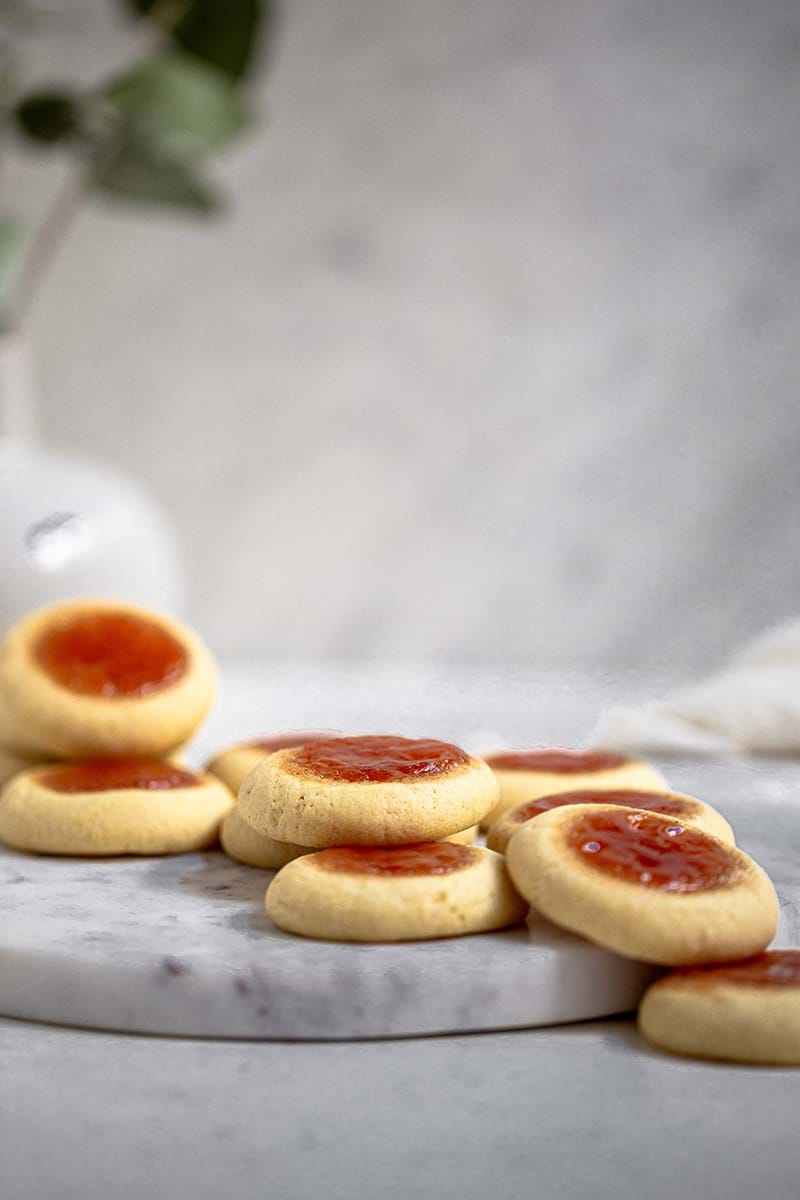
376 759
427 858
669 806
652 851
113 774
559 762
111 654
774 968
283 741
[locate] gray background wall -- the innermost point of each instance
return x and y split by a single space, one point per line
495 357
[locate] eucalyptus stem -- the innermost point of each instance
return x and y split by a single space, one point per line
63 211
47 240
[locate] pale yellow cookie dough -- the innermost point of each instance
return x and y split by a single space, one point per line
12 762
42 717
713 1014
241 842
233 764
682 807
245 845
307 899
517 786
35 818
300 807
641 921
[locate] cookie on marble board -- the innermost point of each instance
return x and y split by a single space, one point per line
394 893
368 791
746 1011
643 885
111 806
671 804
233 764
526 774
244 844
99 677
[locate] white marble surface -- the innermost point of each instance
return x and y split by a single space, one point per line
495 355
183 946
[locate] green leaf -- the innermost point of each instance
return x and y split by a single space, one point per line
177 105
226 33
140 174
11 246
47 116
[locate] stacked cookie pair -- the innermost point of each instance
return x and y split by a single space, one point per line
95 697
656 875
373 836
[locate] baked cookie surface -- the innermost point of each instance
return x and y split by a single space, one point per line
671 804
643 885
527 774
112 806
94 677
368 791
234 763
245 845
394 893
13 761
746 1011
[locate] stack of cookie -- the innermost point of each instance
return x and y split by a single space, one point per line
523 775
94 698
372 834
656 876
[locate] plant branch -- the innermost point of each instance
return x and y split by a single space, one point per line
48 239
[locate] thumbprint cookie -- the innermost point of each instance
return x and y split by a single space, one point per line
746 1011
96 677
526 774
367 791
109 806
644 885
394 893
685 809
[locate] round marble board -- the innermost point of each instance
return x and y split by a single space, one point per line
182 945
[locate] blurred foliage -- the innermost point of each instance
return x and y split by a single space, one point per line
144 134
165 113
221 32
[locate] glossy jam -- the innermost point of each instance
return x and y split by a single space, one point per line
650 850
284 741
111 654
557 762
774 968
376 759
113 774
426 858
668 806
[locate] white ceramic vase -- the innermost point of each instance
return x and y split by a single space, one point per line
70 526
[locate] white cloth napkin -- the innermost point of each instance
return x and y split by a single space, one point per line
751 705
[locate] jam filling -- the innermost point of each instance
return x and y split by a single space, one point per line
669 806
773 968
649 850
376 759
114 774
111 654
558 762
425 858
